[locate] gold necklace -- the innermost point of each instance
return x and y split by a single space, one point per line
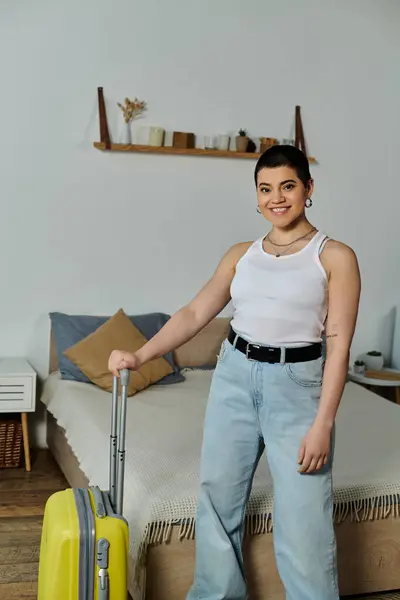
278 253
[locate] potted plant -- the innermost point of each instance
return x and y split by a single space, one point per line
359 367
374 360
242 141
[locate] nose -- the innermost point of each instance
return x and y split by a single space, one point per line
277 197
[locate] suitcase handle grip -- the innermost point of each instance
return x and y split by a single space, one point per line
117 440
124 376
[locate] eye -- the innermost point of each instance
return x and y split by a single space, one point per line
289 186
265 190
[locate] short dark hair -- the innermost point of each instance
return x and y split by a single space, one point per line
285 156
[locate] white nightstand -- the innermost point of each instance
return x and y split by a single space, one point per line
371 382
18 394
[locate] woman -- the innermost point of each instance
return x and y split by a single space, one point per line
271 386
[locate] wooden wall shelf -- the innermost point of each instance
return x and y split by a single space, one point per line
105 141
182 151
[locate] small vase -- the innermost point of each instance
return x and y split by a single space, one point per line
241 143
126 136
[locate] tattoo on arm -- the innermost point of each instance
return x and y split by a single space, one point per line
333 330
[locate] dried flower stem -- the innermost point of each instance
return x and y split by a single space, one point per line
132 108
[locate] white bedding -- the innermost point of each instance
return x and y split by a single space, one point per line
164 432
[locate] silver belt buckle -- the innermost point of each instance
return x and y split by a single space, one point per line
248 348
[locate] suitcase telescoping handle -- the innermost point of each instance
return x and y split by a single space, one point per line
117 454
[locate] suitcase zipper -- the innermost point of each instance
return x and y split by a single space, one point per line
91 537
86 544
83 545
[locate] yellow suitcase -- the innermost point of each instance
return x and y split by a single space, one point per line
84 544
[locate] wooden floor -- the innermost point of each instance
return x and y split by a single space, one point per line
22 500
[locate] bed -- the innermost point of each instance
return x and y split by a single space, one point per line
164 428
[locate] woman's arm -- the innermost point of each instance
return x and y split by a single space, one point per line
344 287
190 319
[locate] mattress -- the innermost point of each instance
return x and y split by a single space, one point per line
163 441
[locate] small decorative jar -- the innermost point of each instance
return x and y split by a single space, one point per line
156 136
359 367
223 142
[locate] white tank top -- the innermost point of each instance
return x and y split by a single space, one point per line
280 301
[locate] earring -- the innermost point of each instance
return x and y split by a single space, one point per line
308 203
258 210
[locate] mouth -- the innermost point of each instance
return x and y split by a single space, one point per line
281 210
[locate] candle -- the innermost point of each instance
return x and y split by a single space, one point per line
156 136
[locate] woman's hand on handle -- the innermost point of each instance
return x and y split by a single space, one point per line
120 359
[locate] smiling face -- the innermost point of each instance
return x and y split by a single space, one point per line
281 195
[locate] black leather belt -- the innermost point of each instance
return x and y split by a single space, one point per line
273 354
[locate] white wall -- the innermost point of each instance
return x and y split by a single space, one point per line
85 231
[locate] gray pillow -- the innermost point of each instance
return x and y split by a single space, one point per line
71 329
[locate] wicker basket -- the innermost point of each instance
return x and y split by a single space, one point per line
10 441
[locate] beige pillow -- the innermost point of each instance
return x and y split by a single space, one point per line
203 348
118 333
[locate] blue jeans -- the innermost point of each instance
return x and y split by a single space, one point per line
252 403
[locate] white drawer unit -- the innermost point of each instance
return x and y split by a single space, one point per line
17 386
18 394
